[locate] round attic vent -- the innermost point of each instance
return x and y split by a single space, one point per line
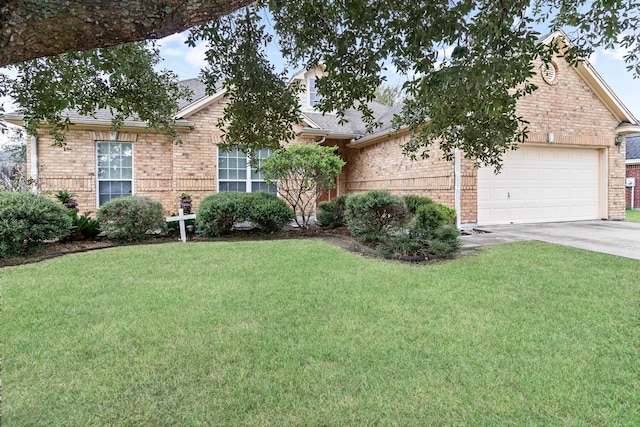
549 72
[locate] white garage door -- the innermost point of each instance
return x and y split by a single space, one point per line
540 184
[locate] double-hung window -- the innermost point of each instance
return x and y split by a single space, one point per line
314 96
114 161
235 172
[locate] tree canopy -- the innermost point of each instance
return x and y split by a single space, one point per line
471 61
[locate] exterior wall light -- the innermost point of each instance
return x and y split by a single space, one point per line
550 138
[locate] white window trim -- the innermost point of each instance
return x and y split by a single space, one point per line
248 181
133 169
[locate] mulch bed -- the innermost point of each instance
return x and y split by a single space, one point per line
341 237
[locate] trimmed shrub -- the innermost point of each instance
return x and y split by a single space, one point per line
217 213
372 214
332 213
130 217
27 220
431 216
267 212
401 242
445 241
414 202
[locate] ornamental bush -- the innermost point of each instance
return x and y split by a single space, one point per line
401 242
27 220
217 213
371 215
131 217
433 215
414 202
445 241
267 212
332 213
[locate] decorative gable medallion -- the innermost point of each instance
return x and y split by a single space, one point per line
549 72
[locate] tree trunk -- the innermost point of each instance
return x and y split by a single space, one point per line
34 28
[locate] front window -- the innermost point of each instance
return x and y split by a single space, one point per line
314 96
114 161
236 174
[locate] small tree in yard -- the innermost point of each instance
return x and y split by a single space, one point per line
302 173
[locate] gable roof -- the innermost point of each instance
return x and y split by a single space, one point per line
628 122
595 81
633 147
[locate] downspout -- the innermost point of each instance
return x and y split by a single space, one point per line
457 174
34 163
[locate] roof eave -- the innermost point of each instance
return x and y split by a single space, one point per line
89 123
627 128
377 137
199 104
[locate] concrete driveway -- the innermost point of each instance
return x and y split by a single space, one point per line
609 237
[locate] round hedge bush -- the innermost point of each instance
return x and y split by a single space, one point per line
267 212
433 215
332 213
27 220
217 213
130 217
371 215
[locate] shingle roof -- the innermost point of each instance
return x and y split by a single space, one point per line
197 88
355 124
633 146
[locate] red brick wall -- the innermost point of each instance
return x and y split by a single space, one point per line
633 171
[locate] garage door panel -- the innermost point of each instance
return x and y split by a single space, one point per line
540 184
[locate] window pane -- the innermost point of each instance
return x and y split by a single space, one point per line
242 173
126 188
263 186
115 163
232 186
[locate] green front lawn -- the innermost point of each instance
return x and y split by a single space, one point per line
303 333
633 215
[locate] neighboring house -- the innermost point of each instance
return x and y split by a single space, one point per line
633 170
569 169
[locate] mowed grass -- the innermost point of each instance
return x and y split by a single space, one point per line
303 333
633 215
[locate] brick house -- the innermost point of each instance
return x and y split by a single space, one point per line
571 168
633 171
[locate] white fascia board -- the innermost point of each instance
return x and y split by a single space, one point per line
310 122
17 119
92 123
627 128
376 137
200 104
632 162
310 131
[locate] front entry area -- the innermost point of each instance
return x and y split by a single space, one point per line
542 184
